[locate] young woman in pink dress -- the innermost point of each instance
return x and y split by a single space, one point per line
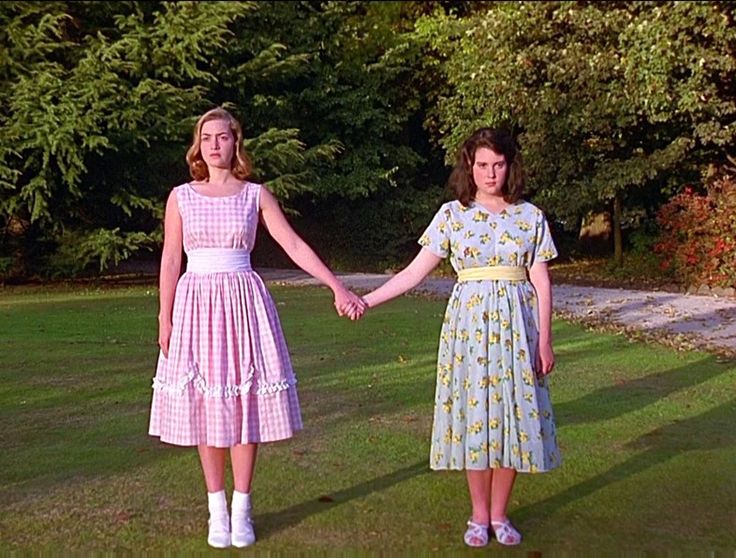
224 380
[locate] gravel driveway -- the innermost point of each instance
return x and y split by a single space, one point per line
684 321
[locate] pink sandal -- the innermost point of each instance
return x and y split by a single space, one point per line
476 534
506 533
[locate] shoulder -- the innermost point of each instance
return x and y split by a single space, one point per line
180 190
529 209
452 208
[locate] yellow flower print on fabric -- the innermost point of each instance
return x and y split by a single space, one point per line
471 252
480 217
546 255
523 225
473 301
476 427
447 405
528 377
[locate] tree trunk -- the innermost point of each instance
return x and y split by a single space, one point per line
618 247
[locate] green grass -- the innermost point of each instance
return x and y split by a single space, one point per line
647 435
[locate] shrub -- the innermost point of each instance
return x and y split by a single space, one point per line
698 233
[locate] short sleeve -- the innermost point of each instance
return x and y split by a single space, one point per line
544 246
436 238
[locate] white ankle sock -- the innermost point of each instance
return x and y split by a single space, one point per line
217 503
241 503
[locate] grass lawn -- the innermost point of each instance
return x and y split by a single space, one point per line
648 438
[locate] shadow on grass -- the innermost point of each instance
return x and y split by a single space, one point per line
631 395
271 523
710 430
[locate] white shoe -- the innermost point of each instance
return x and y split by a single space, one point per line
219 531
242 530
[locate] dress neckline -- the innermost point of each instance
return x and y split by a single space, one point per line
497 213
242 189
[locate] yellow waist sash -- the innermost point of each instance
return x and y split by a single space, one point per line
494 273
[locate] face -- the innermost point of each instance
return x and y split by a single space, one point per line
217 143
489 172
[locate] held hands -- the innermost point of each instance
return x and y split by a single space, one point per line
349 304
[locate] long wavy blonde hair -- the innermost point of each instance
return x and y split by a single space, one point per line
239 165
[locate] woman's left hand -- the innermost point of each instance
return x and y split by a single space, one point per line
545 359
349 304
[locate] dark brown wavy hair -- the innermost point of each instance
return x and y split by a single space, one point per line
239 165
461 179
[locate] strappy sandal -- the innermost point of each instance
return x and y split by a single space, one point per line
476 534
506 533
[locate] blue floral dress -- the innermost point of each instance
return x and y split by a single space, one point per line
491 410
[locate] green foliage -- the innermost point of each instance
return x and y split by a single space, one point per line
97 103
608 98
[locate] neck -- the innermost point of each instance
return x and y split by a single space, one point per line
220 176
491 201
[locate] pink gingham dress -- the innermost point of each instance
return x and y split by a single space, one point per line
228 378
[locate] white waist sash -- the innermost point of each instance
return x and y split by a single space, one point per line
218 260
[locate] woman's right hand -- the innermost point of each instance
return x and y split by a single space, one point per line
164 336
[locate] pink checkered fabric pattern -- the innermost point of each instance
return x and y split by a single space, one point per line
228 377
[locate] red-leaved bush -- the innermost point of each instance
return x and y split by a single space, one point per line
697 241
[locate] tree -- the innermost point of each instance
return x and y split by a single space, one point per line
97 103
613 102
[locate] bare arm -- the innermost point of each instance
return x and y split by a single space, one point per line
539 277
301 253
170 268
404 280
